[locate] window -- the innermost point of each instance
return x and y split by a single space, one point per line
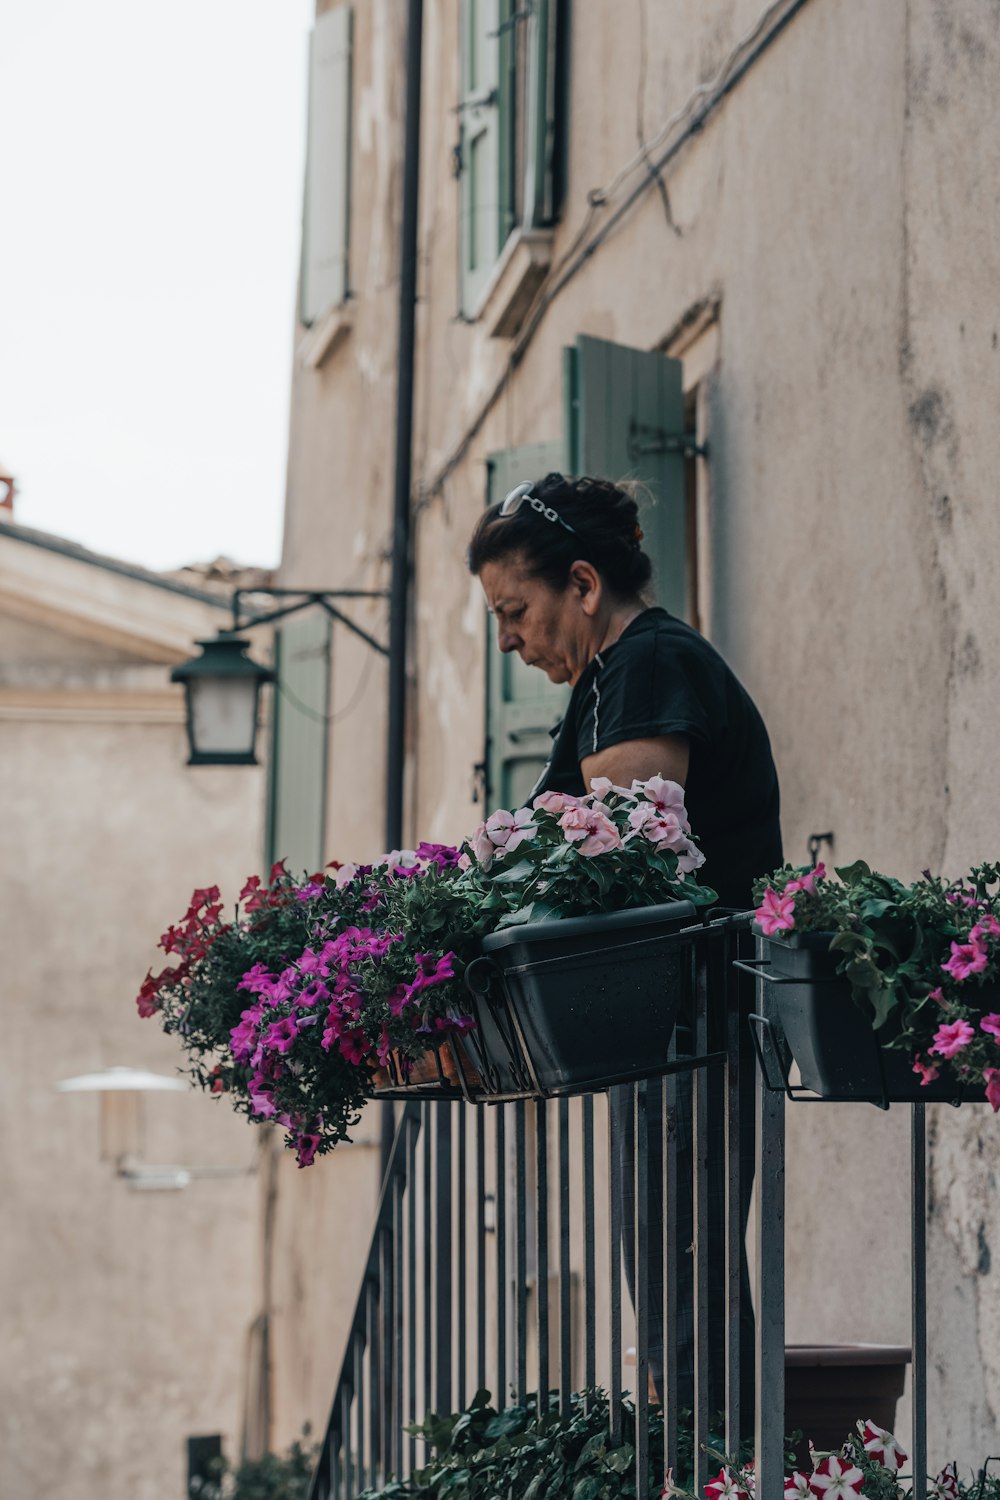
506 155
299 744
323 278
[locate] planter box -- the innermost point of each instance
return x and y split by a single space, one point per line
828 1388
839 1055
572 1006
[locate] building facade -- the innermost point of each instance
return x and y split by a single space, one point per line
748 254
131 1320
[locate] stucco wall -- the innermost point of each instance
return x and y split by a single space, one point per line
125 1315
840 206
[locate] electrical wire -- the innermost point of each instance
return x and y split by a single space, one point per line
686 122
339 713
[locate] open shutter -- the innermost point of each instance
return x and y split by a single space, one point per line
479 151
299 744
328 160
625 420
540 115
522 704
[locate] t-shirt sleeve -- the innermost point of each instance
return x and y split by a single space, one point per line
649 687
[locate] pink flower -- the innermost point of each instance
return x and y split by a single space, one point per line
262 1103
280 1035
554 802
991 1078
806 882
938 996
882 1446
797 1487
590 829
502 831
966 959
991 1024
659 827
600 786
775 913
951 1037
353 1045
927 1071
726 1487
666 796
345 875
836 1479
985 927
305 1149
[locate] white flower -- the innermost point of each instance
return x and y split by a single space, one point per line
882 1446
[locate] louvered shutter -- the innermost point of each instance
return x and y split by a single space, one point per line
328 161
479 184
297 812
522 704
540 115
620 404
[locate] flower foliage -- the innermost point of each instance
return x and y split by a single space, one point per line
293 1005
923 959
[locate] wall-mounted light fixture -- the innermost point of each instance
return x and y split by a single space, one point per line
222 685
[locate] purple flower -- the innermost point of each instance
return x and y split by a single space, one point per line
442 855
280 1035
305 1149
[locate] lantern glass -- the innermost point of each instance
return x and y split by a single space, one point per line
223 716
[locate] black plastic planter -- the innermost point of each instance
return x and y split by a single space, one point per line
571 1006
838 1054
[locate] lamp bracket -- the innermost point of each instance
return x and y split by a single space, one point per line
643 440
305 599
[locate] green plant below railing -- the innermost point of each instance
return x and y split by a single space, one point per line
274 1476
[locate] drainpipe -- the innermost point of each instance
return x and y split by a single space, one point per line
400 585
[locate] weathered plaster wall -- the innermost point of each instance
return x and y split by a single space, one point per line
125 1316
841 207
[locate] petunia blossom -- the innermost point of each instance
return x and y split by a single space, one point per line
305 1149
951 1037
835 1478
926 1071
807 882
775 913
991 1024
726 1487
966 959
945 1485
797 1486
991 1078
881 1446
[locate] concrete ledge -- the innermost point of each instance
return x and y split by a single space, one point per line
523 266
320 341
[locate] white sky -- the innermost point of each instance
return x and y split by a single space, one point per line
151 163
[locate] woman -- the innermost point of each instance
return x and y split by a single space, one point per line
563 570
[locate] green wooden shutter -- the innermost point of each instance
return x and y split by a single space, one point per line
323 281
540 115
480 236
521 703
624 411
299 744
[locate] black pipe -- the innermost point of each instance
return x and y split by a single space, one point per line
399 595
399 592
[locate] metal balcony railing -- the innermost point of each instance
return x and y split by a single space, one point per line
558 1246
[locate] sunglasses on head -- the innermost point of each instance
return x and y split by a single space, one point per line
522 495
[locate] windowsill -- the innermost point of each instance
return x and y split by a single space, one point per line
325 335
523 266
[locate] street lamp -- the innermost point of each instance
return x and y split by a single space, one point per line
222 692
222 685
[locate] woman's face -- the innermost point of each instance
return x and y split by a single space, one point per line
554 630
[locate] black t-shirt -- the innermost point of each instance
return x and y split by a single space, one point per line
661 677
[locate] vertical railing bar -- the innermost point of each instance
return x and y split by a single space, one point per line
729 987
589 1252
386 1328
700 1156
918 1295
443 1260
373 1318
769 1302
669 1393
461 1251
542 1250
398 1329
359 1406
520 1252
345 1428
336 1491
565 1283
413 1131
503 1289
641 1283
481 1247
428 1263
616 1099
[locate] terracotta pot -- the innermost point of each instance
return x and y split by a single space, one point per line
437 1071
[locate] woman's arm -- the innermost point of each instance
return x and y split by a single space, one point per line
637 760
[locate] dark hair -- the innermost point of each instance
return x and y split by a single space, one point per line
604 518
